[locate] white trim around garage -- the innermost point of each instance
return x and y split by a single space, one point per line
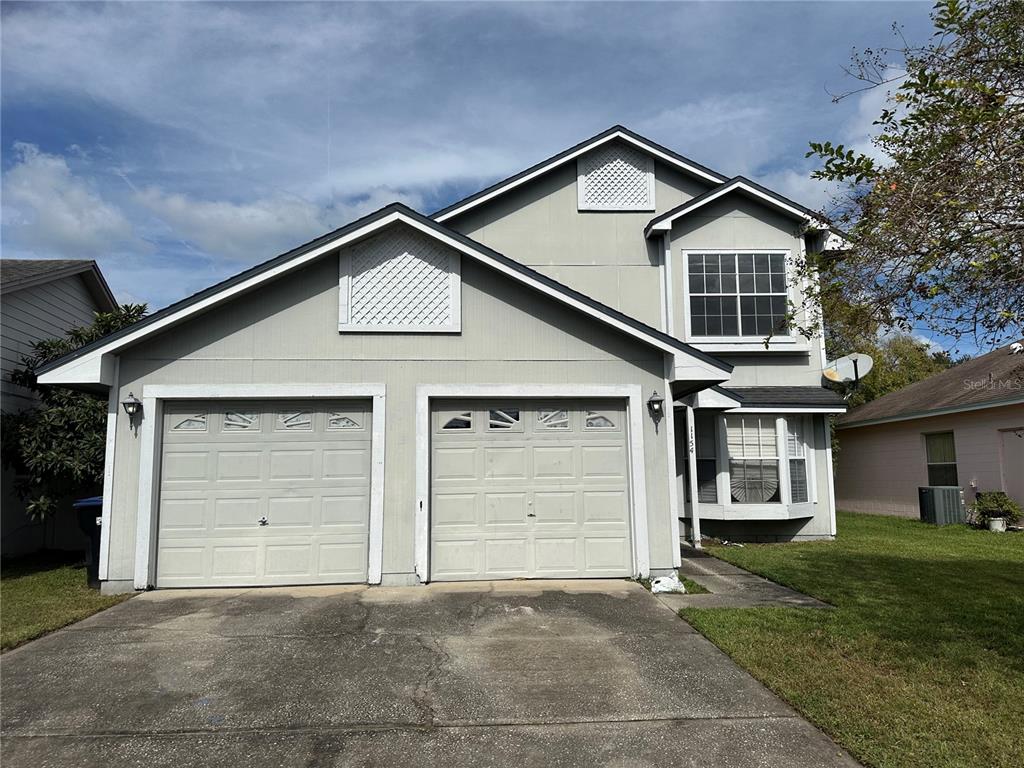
673 467
153 397
113 403
638 485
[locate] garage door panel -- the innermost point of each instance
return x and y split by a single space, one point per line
505 463
604 461
553 462
291 512
238 466
185 514
504 557
555 507
346 464
281 461
454 464
454 509
606 554
236 560
556 555
344 511
185 466
454 558
292 465
505 509
524 501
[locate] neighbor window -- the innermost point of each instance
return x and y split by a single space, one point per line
940 452
753 459
737 294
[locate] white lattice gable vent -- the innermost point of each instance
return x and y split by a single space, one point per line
399 281
615 177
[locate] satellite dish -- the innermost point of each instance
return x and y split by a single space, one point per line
850 368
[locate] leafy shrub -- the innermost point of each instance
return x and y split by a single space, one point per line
995 504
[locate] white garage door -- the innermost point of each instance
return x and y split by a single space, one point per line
264 492
529 490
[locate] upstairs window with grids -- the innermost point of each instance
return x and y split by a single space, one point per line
737 294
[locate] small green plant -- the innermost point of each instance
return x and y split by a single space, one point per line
995 504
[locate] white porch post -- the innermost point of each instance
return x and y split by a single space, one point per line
691 463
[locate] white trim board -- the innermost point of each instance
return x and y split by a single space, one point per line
638 486
153 397
93 367
113 405
732 186
548 166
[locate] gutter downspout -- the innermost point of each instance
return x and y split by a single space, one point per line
691 458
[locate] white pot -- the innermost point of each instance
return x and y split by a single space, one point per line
997 524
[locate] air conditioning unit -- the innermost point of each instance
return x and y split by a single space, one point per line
942 504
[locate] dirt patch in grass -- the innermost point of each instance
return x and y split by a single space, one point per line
42 593
921 663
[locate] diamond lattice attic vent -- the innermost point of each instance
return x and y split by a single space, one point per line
615 177
399 280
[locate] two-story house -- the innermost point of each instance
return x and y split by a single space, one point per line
559 376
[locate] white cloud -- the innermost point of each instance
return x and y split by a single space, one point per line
49 210
258 229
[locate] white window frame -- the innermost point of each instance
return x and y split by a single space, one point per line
153 397
754 343
345 301
785 486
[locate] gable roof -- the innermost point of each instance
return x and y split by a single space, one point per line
664 221
19 274
992 380
616 132
86 366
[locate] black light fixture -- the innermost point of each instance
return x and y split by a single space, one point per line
132 405
656 405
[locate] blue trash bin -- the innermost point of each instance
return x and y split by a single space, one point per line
89 512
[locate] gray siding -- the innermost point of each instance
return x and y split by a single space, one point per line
603 254
287 333
38 312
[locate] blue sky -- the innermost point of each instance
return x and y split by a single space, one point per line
178 143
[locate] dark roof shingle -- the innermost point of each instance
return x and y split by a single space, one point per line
991 379
766 397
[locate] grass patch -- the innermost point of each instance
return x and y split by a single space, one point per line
922 661
692 587
41 594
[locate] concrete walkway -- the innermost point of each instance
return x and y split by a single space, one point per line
519 674
732 587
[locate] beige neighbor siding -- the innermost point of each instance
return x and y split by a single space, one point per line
37 312
879 468
600 253
287 333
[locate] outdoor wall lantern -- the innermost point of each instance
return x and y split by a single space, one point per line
132 405
656 406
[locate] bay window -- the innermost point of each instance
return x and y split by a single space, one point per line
753 459
742 294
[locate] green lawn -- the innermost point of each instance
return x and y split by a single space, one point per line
40 595
922 661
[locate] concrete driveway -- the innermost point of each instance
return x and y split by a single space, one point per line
509 673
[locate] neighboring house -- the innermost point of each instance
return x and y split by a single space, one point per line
964 426
478 394
40 299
